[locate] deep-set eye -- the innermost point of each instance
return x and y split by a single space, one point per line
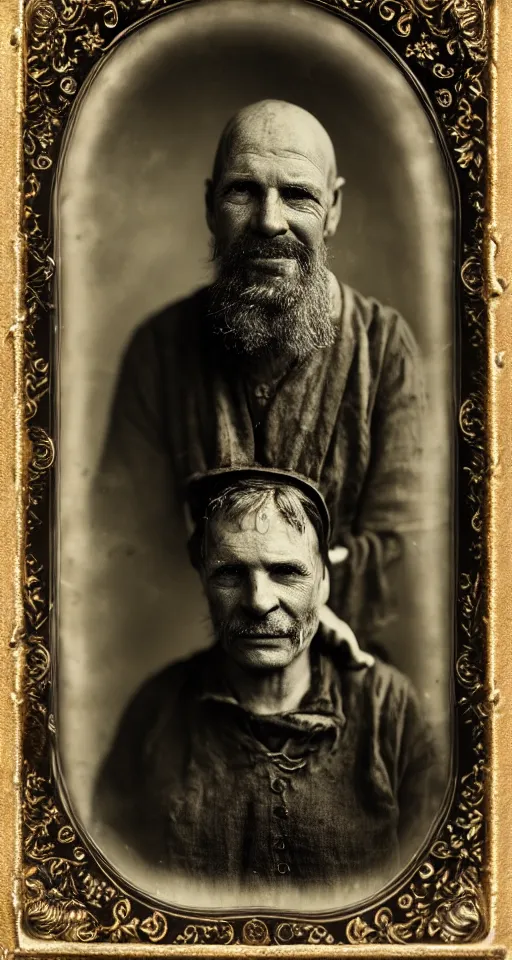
241 189
227 572
287 570
294 194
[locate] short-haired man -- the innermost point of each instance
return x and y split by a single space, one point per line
277 363
283 756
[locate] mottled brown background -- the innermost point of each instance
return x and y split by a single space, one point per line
132 236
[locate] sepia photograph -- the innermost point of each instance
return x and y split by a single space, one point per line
254 272
256 226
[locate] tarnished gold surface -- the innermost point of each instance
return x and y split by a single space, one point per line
500 449
53 913
11 443
65 893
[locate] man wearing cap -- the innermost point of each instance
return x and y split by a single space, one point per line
283 757
277 363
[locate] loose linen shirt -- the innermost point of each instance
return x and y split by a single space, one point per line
349 417
340 791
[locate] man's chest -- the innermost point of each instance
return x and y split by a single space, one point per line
306 423
269 817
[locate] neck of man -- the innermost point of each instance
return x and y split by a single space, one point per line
267 368
278 354
270 692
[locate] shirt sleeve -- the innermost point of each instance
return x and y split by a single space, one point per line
391 508
393 494
120 806
136 426
132 497
421 779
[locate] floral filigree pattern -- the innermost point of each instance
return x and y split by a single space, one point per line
61 895
215 931
302 933
423 49
67 896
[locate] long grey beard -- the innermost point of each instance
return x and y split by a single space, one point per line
276 316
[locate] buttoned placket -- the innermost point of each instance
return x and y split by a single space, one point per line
280 813
280 781
260 396
278 770
262 392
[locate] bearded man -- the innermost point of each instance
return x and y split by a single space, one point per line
277 363
282 758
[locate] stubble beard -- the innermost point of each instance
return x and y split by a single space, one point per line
278 316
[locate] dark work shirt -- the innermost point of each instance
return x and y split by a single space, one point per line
340 790
350 417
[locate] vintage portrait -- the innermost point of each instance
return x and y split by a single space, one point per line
275 361
256 596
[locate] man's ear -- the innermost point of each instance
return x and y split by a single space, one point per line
334 213
325 587
210 205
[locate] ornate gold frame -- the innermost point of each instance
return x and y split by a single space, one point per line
455 903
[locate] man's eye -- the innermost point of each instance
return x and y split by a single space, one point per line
287 570
241 188
296 194
228 572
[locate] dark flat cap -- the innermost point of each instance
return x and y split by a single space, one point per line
202 488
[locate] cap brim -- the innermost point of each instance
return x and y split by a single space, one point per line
203 487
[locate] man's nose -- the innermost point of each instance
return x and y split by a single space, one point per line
269 218
260 597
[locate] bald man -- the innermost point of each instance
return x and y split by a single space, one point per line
276 363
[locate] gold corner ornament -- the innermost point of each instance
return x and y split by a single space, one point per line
61 893
451 907
67 896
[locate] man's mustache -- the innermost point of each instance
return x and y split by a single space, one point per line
271 627
257 632
275 248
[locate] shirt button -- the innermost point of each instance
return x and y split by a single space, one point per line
280 812
283 867
280 845
278 785
262 391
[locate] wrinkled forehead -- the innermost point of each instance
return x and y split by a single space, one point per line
282 138
262 529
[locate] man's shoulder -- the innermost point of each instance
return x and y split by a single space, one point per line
172 331
383 325
163 689
176 314
175 674
381 683
388 682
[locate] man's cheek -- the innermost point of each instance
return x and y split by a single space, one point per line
232 223
224 602
298 597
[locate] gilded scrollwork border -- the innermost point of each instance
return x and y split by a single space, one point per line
66 895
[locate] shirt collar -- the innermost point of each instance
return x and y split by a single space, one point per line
335 297
321 708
